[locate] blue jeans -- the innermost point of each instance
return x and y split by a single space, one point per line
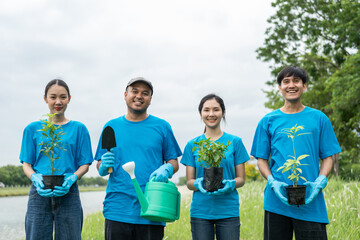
281 227
225 229
64 214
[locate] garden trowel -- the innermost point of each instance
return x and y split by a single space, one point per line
108 140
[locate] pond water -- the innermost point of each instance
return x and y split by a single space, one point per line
13 210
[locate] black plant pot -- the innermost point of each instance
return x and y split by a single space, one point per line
50 181
213 177
296 195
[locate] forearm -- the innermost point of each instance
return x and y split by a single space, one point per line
190 178
98 164
28 170
82 170
264 167
240 175
175 164
326 166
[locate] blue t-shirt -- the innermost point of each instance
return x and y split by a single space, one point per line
314 137
149 143
76 141
216 206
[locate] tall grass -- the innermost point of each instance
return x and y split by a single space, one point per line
342 200
343 203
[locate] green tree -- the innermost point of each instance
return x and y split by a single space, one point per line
182 181
12 175
321 36
91 181
344 106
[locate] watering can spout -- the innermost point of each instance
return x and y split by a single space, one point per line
130 169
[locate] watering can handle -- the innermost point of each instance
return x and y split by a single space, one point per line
153 179
178 204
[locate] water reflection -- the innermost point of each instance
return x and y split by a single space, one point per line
13 210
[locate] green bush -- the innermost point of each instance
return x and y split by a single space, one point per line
350 171
251 172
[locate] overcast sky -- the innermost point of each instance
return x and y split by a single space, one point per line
186 48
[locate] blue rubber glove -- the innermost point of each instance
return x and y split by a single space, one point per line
229 186
37 180
315 187
69 180
279 189
107 161
198 184
163 173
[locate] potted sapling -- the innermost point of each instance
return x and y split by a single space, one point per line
51 147
211 154
296 193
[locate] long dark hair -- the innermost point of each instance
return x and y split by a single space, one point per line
218 99
57 82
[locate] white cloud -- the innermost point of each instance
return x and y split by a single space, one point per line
186 48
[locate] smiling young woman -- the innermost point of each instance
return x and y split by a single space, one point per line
58 209
222 220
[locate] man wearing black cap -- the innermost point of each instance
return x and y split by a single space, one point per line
149 142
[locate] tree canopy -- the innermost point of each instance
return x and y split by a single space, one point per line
323 37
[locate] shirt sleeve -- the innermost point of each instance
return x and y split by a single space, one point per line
85 152
28 147
241 155
329 144
188 157
262 141
171 149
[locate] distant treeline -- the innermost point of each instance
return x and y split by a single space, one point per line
11 175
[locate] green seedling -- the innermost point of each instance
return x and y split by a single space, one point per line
210 152
293 163
52 145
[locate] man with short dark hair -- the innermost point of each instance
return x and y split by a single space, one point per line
149 142
294 132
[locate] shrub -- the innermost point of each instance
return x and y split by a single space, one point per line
251 172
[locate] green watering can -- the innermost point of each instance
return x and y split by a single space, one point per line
160 202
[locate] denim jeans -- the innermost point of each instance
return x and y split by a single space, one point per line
44 214
225 229
119 230
281 227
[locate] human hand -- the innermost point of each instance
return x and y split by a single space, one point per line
229 186
107 161
315 187
37 180
278 188
69 180
163 173
198 184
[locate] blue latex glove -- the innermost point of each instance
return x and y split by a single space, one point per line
229 186
163 173
198 184
315 187
37 180
107 161
279 189
69 180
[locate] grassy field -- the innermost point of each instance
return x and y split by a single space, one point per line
342 200
23 191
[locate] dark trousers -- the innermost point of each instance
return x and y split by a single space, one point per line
126 231
279 227
224 229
